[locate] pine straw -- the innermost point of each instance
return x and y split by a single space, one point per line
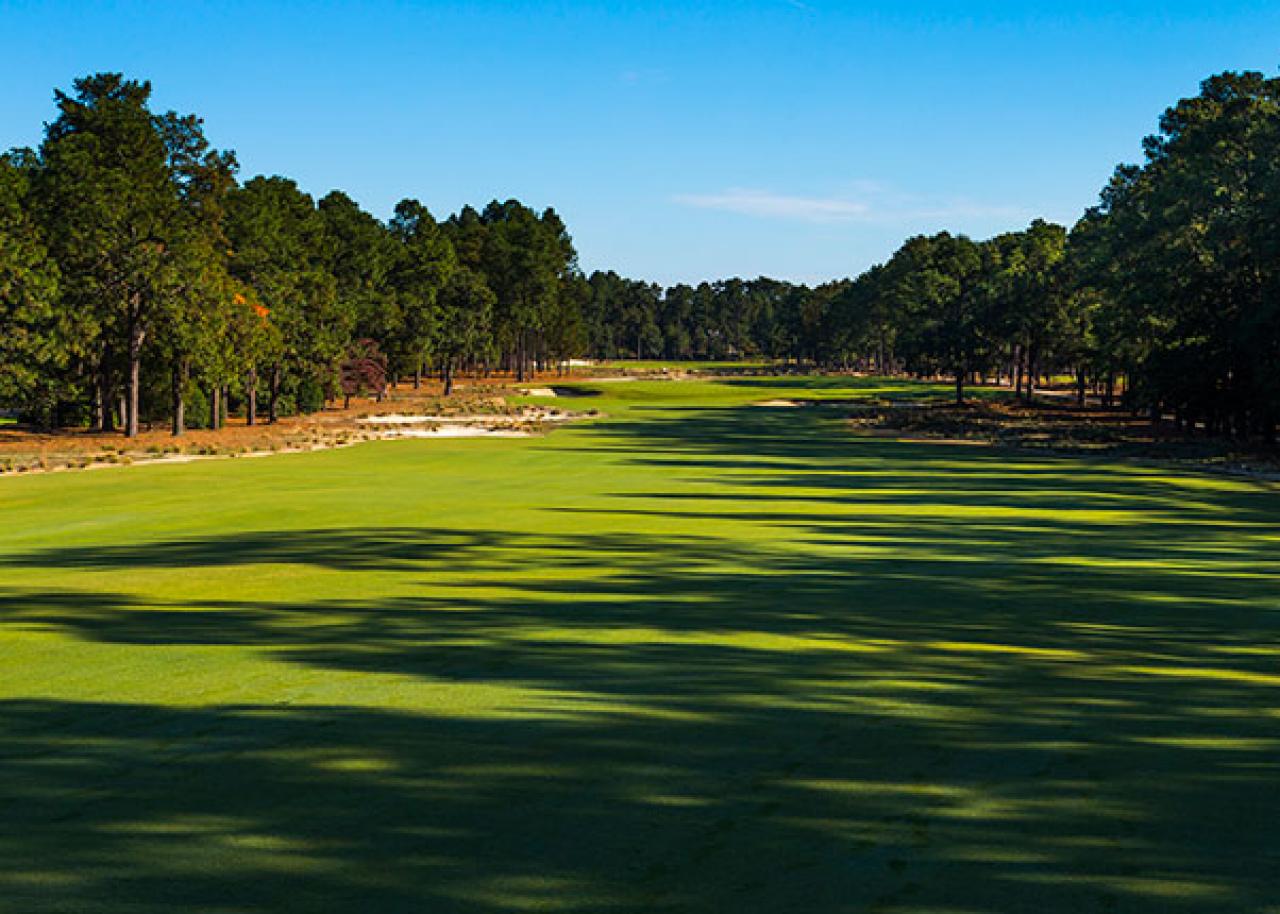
25 450
1060 427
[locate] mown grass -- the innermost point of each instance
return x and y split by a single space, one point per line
695 655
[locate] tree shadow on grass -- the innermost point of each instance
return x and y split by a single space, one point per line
1001 686
821 735
341 549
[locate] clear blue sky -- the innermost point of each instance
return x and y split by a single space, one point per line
802 139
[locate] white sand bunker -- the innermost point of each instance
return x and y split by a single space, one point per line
539 392
521 425
498 419
401 426
779 404
459 431
398 419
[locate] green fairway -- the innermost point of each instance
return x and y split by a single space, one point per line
694 655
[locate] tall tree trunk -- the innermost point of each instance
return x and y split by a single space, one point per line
1018 354
960 373
448 376
417 374
132 390
1080 385
251 397
106 409
273 396
179 400
215 407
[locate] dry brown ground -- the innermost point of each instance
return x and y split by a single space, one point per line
27 450
1058 424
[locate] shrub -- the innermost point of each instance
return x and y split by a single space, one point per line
310 396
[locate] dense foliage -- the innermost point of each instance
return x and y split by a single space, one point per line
1167 293
139 279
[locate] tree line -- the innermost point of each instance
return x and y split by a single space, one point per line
138 277
1165 295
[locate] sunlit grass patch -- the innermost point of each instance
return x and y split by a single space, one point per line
686 655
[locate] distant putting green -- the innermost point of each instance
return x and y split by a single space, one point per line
695 655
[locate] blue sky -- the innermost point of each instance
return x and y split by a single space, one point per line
802 139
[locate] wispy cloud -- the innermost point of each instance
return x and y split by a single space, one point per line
637 77
778 206
867 202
